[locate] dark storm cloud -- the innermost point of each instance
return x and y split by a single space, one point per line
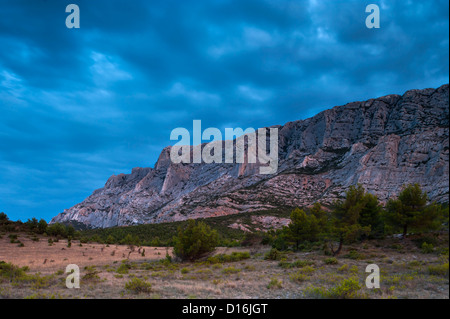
78 105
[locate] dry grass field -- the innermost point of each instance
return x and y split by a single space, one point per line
119 271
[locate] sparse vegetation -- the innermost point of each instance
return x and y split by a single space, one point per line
137 285
345 289
298 262
439 270
275 283
123 268
274 254
331 261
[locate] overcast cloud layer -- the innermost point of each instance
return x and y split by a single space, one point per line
78 105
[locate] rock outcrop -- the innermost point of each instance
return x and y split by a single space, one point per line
381 143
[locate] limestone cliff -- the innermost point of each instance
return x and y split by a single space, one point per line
381 143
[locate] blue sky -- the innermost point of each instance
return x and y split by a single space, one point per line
78 105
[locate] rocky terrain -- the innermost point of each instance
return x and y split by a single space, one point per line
381 143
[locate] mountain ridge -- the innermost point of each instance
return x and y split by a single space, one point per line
381 143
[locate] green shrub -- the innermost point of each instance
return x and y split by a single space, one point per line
280 242
195 241
275 283
414 263
10 271
426 239
443 251
299 276
230 270
91 273
274 254
184 270
123 268
137 285
343 268
285 264
13 239
427 248
307 270
345 289
168 259
439 270
331 261
354 269
354 254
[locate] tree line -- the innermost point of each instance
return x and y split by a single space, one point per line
357 217
360 216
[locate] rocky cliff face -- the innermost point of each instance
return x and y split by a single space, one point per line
381 143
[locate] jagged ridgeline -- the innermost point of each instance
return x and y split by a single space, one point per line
380 143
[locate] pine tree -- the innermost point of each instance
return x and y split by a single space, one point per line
410 210
302 227
346 214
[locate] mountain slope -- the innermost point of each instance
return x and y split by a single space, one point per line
381 143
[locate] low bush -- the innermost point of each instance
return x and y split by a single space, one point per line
331 261
439 270
299 277
123 268
355 255
11 272
230 270
275 283
274 254
345 289
137 285
427 248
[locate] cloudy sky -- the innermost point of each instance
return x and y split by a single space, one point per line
78 105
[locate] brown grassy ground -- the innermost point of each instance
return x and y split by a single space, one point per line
404 272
